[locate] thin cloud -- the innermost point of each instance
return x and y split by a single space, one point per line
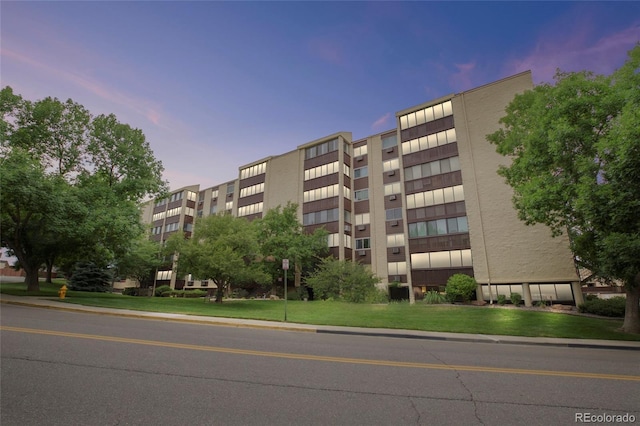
576 53
141 106
463 78
327 51
382 122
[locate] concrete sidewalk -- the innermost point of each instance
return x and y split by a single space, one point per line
50 303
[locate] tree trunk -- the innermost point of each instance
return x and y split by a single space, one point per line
631 313
49 270
219 293
33 283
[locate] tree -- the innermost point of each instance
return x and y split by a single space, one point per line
282 236
71 184
223 248
575 150
140 260
342 279
26 213
89 277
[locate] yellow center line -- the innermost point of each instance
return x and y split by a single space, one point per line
325 358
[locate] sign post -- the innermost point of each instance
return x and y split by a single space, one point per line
285 267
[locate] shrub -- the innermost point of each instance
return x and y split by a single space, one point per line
161 289
460 286
342 280
541 303
130 291
516 298
89 277
292 295
377 296
433 297
502 299
194 293
613 307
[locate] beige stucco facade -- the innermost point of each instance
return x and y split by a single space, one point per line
504 248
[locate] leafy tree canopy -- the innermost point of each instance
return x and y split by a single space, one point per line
281 236
575 150
222 248
71 183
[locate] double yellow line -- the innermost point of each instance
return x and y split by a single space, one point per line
360 361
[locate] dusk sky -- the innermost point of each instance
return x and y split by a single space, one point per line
217 85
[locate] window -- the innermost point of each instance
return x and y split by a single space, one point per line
177 196
360 151
250 209
214 209
389 141
163 275
321 193
394 214
251 171
171 227
231 188
361 194
321 149
397 268
252 190
322 216
426 114
438 227
437 196
392 188
333 240
214 193
441 259
228 205
361 172
362 219
323 170
395 240
363 243
392 164
451 164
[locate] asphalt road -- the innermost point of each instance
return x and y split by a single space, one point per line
66 368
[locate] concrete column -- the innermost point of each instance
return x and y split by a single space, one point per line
576 288
526 295
479 294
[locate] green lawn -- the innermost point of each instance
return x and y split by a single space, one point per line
447 318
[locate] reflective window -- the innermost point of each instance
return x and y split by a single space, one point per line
359 151
395 240
255 170
392 164
321 149
426 114
360 172
394 214
389 141
362 219
361 194
392 188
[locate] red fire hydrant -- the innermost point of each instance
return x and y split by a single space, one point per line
62 292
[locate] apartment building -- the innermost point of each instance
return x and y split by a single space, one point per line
418 203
